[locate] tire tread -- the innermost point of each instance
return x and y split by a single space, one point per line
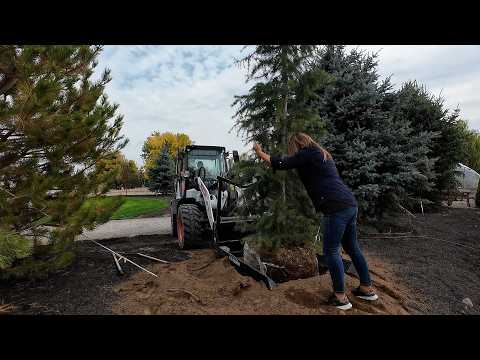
191 216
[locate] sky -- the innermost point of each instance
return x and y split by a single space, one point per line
190 88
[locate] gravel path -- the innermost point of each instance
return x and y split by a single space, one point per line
128 228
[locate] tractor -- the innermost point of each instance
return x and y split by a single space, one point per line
205 199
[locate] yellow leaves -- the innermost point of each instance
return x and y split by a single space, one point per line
154 144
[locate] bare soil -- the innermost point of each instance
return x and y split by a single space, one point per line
205 284
440 270
412 274
86 287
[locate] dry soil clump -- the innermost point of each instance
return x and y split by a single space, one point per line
205 284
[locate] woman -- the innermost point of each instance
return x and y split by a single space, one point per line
334 199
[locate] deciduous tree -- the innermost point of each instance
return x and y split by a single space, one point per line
153 146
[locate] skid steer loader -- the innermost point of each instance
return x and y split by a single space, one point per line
202 212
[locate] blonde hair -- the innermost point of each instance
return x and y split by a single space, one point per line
300 140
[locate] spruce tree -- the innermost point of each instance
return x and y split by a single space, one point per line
161 174
427 113
56 125
277 105
378 153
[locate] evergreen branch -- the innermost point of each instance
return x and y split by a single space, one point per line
7 83
84 65
7 135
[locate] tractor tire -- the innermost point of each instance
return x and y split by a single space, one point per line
173 223
189 228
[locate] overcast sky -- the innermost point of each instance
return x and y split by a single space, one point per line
190 89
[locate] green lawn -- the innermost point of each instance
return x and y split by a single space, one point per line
134 207
103 208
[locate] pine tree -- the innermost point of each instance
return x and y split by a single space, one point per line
161 174
279 104
56 125
378 154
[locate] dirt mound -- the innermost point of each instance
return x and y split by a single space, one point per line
205 284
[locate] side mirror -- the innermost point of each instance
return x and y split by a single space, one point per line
236 158
230 164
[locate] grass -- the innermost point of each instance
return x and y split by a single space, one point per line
134 207
118 208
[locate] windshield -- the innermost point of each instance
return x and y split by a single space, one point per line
211 160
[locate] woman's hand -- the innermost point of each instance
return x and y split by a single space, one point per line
260 153
257 148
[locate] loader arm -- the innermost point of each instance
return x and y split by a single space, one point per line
208 204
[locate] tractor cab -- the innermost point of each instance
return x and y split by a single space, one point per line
205 162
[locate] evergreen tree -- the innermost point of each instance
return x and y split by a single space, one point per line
56 125
161 174
378 154
278 104
427 113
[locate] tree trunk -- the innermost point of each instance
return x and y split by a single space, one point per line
284 141
285 125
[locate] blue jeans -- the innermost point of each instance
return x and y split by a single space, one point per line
340 229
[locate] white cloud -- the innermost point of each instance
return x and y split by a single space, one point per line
190 89
452 71
175 88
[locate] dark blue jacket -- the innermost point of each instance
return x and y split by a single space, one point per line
320 177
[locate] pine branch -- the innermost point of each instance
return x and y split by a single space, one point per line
7 83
